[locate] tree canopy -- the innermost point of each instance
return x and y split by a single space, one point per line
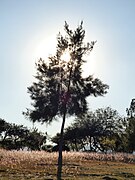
18 137
59 82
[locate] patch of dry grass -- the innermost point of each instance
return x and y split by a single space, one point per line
21 165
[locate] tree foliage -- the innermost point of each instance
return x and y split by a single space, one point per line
17 137
51 90
131 126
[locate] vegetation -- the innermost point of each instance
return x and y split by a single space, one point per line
94 130
100 131
131 126
18 137
24 165
103 130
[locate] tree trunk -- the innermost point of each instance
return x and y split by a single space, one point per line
59 170
76 145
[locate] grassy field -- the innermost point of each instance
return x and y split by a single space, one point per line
39 165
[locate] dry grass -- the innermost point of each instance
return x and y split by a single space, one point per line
24 165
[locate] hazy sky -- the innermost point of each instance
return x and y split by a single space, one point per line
28 30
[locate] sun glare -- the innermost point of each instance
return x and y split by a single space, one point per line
66 56
45 48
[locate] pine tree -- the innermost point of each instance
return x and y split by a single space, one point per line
60 90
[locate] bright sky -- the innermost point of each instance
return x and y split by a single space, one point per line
28 31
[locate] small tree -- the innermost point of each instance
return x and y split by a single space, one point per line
60 89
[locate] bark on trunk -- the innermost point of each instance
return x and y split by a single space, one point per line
59 170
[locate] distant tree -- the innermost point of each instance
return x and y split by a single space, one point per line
90 129
112 125
60 89
131 110
74 137
121 142
98 130
35 140
131 126
3 125
13 136
55 139
17 137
